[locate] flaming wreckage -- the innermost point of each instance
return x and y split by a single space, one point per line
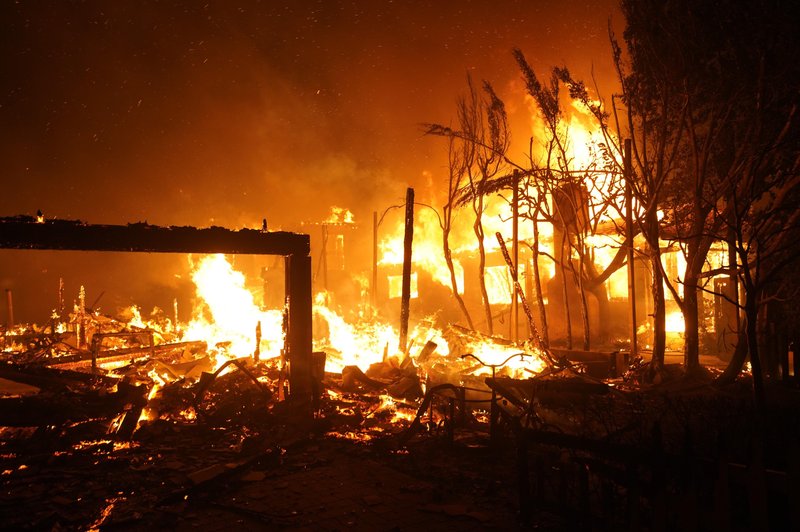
188 413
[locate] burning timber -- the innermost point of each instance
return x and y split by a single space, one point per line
23 232
128 423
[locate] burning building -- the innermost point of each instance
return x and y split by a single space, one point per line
483 358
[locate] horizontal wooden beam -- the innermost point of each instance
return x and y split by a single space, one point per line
23 232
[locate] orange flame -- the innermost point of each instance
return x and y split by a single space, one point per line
234 315
340 215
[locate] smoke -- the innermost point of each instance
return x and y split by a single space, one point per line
223 113
206 113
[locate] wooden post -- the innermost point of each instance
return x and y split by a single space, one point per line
61 299
10 308
406 293
375 259
95 350
629 236
298 337
324 256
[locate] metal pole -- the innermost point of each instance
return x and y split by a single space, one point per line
629 236
406 293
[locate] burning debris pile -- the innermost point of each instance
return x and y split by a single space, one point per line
160 369
131 419
138 390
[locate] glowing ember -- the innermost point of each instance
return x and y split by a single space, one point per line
105 513
517 366
388 404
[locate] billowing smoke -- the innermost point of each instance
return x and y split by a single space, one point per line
226 113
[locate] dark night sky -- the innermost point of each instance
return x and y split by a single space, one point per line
223 113
201 113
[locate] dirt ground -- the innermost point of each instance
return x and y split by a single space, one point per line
245 465
191 477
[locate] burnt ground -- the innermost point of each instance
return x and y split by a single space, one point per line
254 465
194 477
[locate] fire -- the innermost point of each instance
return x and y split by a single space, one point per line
675 323
389 404
427 249
340 215
147 413
232 314
358 344
367 341
225 313
517 366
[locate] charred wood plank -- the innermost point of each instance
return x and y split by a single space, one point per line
352 377
48 378
113 355
26 233
58 408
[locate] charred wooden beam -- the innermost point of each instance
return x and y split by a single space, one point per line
84 358
406 289
55 408
50 378
25 232
298 344
9 308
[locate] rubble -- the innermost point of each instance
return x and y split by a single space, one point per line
173 439
109 423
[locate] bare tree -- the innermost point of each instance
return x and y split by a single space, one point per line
460 156
483 138
574 212
766 223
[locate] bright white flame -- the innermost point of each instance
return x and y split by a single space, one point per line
492 354
234 314
360 344
674 322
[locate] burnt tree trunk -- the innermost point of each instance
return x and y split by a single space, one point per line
479 234
659 303
578 275
565 292
448 257
538 283
691 318
601 295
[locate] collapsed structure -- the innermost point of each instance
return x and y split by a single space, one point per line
25 232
